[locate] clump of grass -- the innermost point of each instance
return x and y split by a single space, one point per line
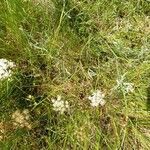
72 48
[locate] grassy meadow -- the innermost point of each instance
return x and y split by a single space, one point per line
71 48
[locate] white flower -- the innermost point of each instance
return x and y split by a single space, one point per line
97 98
5 68
128 87
60 105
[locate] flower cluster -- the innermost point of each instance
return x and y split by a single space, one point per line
97 98
21 119
126 86
5 68
60 105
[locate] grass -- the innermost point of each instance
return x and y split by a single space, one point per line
55 44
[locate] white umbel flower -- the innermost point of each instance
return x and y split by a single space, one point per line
126 86
59 105
5 68
97 98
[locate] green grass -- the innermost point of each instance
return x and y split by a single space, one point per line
54 45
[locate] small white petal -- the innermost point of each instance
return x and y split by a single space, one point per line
60 105
97 98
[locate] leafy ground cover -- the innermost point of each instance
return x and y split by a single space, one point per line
81 74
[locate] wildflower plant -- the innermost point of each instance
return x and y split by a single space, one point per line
97 98
69 46
21 119
6 68
60 105
126 87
